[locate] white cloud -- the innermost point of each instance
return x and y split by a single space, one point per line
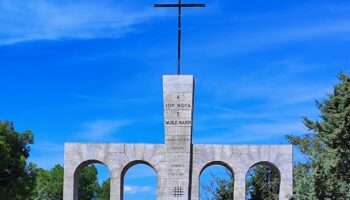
114 100
49 20
48 146
256 132
278 87
101 129
133 189
270 37
48 160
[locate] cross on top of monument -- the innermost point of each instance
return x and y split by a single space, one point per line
178 162
179 5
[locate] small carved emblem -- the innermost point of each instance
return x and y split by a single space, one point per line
178 192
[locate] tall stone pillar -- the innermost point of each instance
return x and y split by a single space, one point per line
239 186
178 110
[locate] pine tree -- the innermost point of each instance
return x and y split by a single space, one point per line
304 186
262 183
327 147
104 191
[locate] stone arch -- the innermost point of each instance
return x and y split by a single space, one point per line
77 172
273 166
127 167
267 163
220 163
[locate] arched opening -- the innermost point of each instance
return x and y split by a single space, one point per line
92 181
216 182
138 182
263 182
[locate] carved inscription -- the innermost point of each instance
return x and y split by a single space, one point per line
177 148
178 165
178 106
177 139
177 174
178 143
178 122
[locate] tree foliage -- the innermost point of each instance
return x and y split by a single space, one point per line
303 182
104 191
17 177
218 188
262 183
88 183
50 184
326 175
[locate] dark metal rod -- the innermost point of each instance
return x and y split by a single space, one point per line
179 42
179 5
187 5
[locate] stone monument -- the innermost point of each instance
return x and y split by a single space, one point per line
178 163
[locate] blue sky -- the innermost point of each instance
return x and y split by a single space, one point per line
87 71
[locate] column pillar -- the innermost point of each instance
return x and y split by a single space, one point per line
70 185
115 193
286 184
239 186
178 109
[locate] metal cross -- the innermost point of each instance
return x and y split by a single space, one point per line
179 6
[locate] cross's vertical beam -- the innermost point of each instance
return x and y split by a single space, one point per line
179 41
179 5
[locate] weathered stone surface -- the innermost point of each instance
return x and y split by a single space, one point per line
178 163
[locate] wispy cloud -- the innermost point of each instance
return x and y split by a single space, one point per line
273 92
48 146
273 102
101 129
256 132
48 160
49 20
256 39
133 189
141 100
278 87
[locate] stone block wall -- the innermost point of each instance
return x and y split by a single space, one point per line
178 163
120 157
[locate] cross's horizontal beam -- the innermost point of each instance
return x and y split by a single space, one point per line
186 5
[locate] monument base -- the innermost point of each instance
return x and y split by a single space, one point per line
178 163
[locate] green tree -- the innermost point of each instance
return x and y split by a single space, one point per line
88 184
103 193
17 177
218 188
50 184
303 183
262 183
327 147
